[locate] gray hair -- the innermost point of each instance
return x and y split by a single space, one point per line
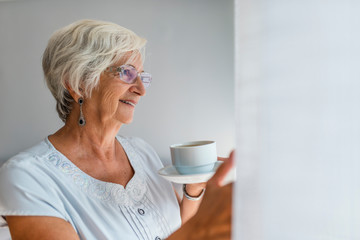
77 54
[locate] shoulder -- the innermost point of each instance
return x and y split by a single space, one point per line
28 170
29 185
26 165
138 144
28 157
146 152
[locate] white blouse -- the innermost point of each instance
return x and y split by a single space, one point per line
43 182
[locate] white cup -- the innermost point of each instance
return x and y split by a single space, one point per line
194 157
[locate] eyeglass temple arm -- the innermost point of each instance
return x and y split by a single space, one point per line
113 69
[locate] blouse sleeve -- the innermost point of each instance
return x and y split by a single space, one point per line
24 191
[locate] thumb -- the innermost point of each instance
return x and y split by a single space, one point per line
223 170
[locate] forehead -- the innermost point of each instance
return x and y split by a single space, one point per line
133 59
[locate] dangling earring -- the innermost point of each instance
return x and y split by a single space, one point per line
82 121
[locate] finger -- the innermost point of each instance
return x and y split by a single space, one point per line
223 159
223 170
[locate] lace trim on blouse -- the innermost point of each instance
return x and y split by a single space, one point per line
105 191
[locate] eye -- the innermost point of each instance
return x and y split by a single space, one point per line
127 72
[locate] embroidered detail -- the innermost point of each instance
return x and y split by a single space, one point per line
106 191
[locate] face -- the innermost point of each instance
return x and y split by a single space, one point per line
114 101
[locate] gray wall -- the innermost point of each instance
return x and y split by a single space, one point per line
189 53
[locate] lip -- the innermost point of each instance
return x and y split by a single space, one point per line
133 102
127 100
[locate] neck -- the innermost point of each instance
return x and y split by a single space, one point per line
95 139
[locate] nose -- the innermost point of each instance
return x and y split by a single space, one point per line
138 87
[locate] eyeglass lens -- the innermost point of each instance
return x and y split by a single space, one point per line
129 74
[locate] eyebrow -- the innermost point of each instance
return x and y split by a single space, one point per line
125 64
134 67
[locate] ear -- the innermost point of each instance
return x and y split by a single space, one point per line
73 93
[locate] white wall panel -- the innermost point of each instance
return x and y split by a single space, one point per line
298 116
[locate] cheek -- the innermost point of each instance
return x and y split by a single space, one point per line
110 101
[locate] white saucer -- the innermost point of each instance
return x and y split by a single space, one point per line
170 174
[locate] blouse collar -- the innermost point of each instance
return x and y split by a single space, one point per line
113 193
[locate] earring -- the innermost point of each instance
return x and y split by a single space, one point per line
82 121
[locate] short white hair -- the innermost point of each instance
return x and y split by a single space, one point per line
78 53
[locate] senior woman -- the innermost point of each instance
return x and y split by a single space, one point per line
84 181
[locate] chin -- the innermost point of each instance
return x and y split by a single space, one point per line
128 122
124 118
125 121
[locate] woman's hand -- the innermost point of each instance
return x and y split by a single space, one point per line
213 219
223 170
195 189
188 208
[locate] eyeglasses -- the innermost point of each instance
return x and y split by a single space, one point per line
128 74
